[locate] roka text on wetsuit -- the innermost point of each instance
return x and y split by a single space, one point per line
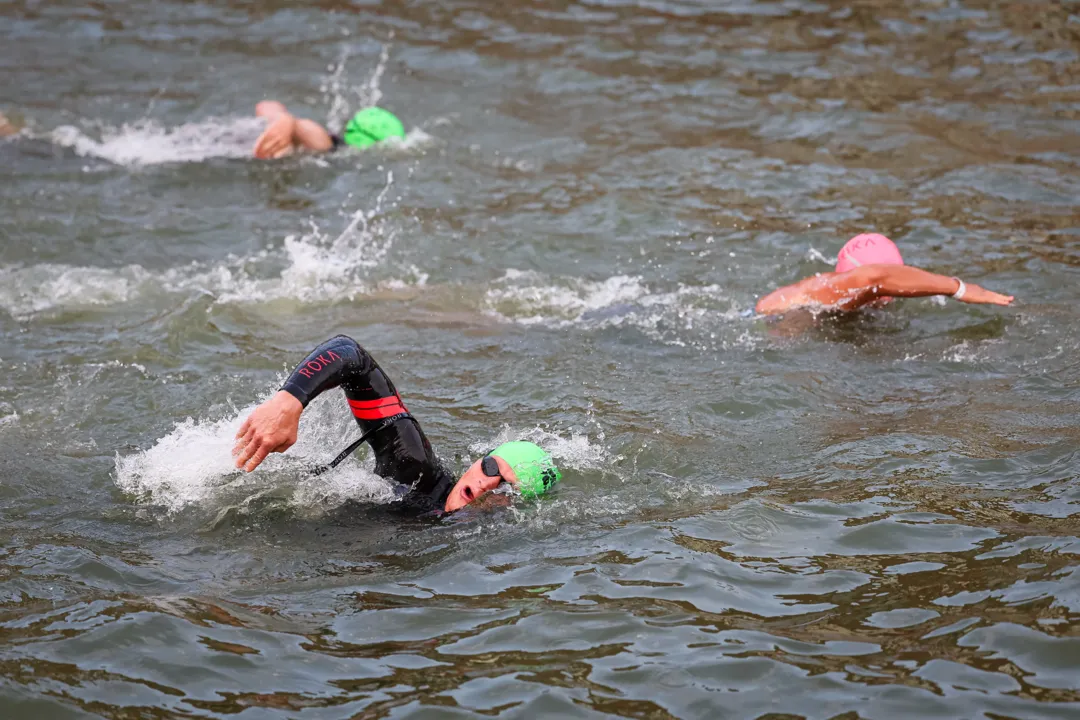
402 452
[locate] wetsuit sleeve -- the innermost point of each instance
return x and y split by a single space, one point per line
340 360
402 452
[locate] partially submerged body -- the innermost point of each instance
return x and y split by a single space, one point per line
285 133
871 271
402 451
7 127
869 284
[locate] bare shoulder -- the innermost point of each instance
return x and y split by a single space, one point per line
814 290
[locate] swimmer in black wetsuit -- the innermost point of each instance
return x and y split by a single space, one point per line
402 452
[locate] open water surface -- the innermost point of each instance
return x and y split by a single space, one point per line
873 517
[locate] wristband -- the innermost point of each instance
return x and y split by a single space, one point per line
960 291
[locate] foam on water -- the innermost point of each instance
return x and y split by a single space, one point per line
575 451
28 291
314 266
148 143
684 315
193 465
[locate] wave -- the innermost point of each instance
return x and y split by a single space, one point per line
681 315
192 465
313 267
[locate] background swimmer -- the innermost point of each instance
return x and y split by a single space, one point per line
287 133
6 126
869 270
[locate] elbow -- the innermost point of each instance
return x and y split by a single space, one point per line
345 344
869 282
869 276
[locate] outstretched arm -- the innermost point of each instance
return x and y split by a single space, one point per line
855 288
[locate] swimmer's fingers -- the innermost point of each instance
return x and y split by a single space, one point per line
264 448
981 296
243 439
266 150
244 450
268 144
257 458
276 140
245 428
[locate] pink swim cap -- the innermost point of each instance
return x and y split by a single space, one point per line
868 249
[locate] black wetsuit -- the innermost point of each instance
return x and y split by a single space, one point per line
402 453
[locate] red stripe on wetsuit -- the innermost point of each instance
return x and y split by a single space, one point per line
377 409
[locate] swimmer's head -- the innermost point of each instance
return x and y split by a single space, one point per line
269 109
372 125
868 249
525 465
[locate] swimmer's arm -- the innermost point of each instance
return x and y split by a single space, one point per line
311 135
277 139
871 282
812 291
273 425
855 288
286 132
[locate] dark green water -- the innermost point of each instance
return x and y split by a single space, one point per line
874 517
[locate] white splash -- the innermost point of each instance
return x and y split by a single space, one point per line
965 353
370 93
27 291
315 266
815 254
575 451
193 465
148 143
331 89
530 298
684 315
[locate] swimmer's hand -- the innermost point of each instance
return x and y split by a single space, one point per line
277 139
981 296
271 427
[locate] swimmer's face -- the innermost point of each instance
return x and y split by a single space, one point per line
475 483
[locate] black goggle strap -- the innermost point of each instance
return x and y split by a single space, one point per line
320 469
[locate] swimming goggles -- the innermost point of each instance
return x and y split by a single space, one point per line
490 467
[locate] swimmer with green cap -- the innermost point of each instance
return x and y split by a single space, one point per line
402 452
524 465
285 133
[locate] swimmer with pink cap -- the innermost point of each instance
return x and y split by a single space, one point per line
869 270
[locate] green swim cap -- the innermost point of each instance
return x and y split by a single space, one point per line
372 125
535 470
